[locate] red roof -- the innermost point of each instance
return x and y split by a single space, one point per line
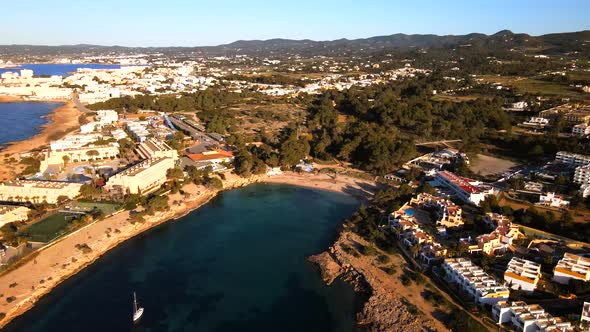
460 182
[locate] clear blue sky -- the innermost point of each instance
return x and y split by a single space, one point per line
213 22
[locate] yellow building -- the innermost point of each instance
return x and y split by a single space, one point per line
141 178
12 213
37 191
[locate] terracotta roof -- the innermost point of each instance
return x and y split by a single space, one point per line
210 155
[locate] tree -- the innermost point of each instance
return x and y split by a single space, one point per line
156 203
215 182
66 160
175 174
89 191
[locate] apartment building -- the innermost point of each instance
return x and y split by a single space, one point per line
581 130
411 234
86 153
467 190
582 174
572 266
138 130
37 191
74 141
572 159
500 239
474 281
141 178
522 274
12 213
449 214
154 148
528 318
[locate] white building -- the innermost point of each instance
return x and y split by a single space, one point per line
106 116
522 274
141 178
573 159
473 280
37 191
12 213
581 130
468 190
582 174
74 141
553 200
528 318
572 267
154 148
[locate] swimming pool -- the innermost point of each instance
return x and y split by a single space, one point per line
409 212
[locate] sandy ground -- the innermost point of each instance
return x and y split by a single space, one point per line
62 259
488 165
63 119
9 99
358 188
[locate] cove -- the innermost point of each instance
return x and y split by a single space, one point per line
236 264
21 120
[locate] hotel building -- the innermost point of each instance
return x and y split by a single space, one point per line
74 141
467 190
154 148
474 281
12 213
528 318
499 241
37 191
572 267
449 214
141 178
522 274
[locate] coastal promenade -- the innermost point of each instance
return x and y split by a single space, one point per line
26 283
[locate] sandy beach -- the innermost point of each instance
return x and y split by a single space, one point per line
61 120
53 264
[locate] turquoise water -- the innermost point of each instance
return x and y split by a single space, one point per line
409 212
236 264
61 69
22 120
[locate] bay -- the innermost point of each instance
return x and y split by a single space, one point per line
236 264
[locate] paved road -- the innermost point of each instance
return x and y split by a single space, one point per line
79 105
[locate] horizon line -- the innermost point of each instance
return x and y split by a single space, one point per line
290 39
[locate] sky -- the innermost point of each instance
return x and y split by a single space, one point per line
206 22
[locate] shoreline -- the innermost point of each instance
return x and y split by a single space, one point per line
61 120
58 261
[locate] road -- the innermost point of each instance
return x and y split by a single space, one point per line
439 142
79 105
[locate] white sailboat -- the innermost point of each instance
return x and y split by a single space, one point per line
137 310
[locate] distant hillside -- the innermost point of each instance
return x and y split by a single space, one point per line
557 43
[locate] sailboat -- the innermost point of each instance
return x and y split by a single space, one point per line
137 311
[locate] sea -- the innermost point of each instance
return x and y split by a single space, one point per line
61 69
21 120
236 264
